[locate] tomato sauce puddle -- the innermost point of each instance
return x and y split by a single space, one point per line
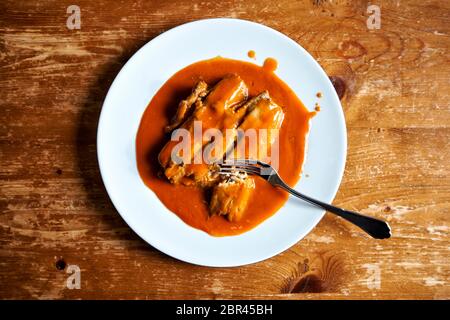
190 203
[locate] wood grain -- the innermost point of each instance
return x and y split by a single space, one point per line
55 212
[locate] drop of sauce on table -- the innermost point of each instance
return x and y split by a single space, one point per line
270 64
251 54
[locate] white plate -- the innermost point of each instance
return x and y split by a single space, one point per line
135 86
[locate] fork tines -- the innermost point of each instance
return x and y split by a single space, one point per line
235 166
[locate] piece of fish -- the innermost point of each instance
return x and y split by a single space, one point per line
230 197
220 109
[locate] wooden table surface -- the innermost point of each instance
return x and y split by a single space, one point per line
55 212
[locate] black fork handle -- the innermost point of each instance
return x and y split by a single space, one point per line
377 228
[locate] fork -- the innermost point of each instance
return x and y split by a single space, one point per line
376 228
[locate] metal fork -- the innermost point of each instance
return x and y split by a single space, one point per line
377 228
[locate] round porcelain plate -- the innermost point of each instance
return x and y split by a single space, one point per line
132 91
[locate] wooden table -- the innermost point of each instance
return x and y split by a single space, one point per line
394 83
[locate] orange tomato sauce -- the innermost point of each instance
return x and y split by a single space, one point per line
270 64
190 203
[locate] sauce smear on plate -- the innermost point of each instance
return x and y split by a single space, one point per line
190 203
270 64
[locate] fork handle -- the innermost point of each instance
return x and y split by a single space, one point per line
377 228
